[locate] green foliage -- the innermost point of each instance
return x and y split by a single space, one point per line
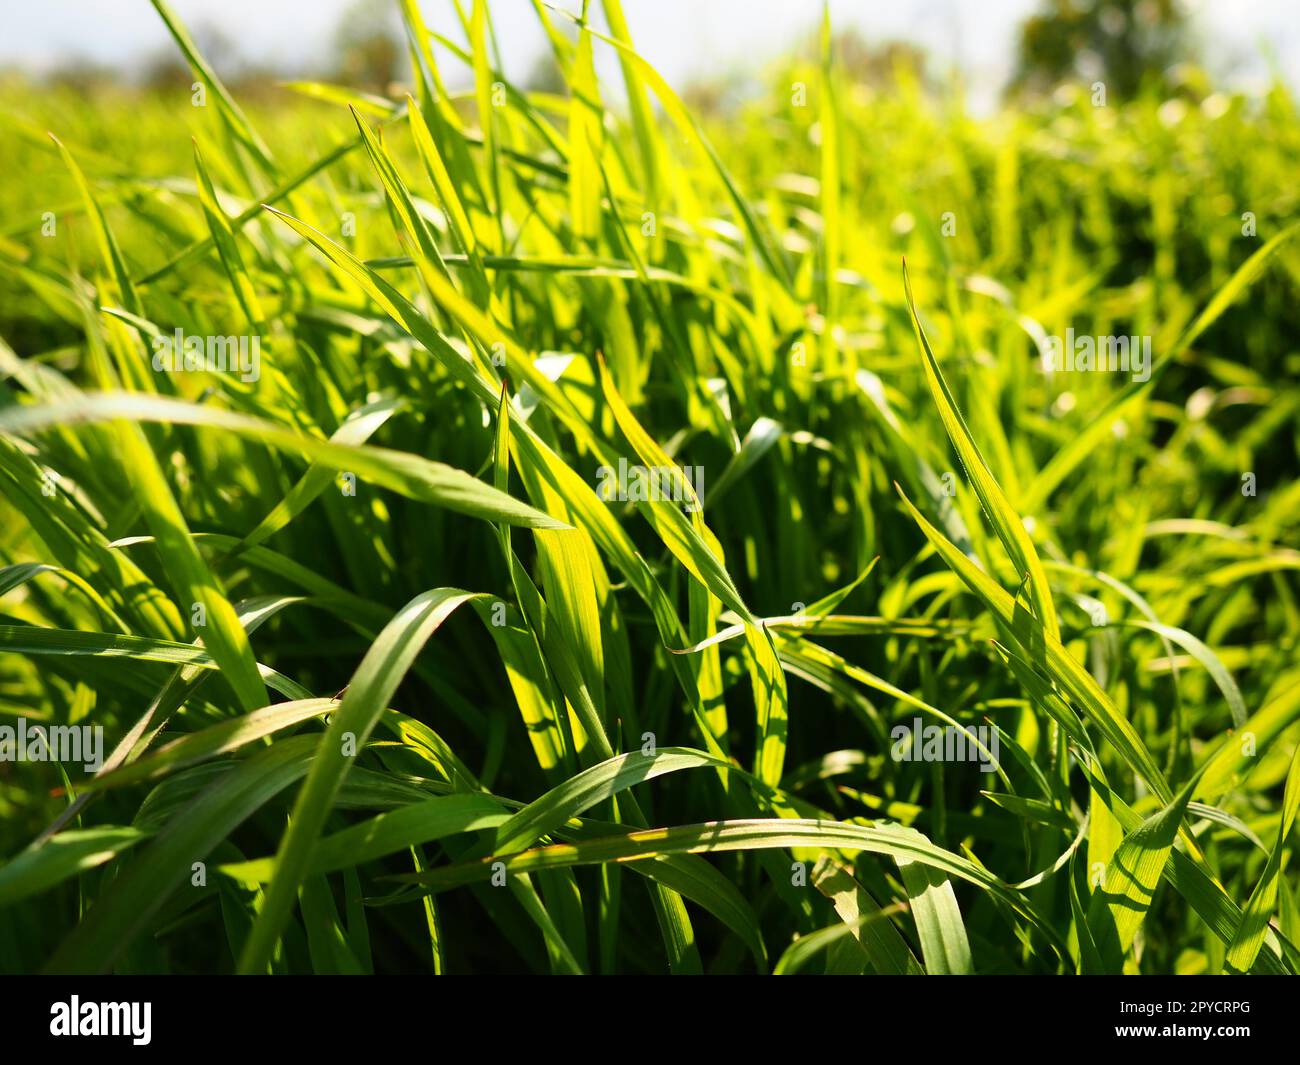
389 681
1121 43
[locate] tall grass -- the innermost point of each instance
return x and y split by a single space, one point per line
388 684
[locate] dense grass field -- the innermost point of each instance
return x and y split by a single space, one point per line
505 531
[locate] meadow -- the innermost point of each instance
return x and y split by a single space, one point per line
496 530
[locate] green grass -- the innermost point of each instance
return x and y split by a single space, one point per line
387 685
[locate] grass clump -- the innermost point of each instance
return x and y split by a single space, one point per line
574 522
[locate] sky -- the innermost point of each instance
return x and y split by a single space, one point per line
684 39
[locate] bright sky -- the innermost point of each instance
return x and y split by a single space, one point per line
683 38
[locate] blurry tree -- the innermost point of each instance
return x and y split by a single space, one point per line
368 40
878 65
719 94
166 70
545 75
84 76
885 65
1118 42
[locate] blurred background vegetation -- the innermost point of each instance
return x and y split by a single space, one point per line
1119 213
